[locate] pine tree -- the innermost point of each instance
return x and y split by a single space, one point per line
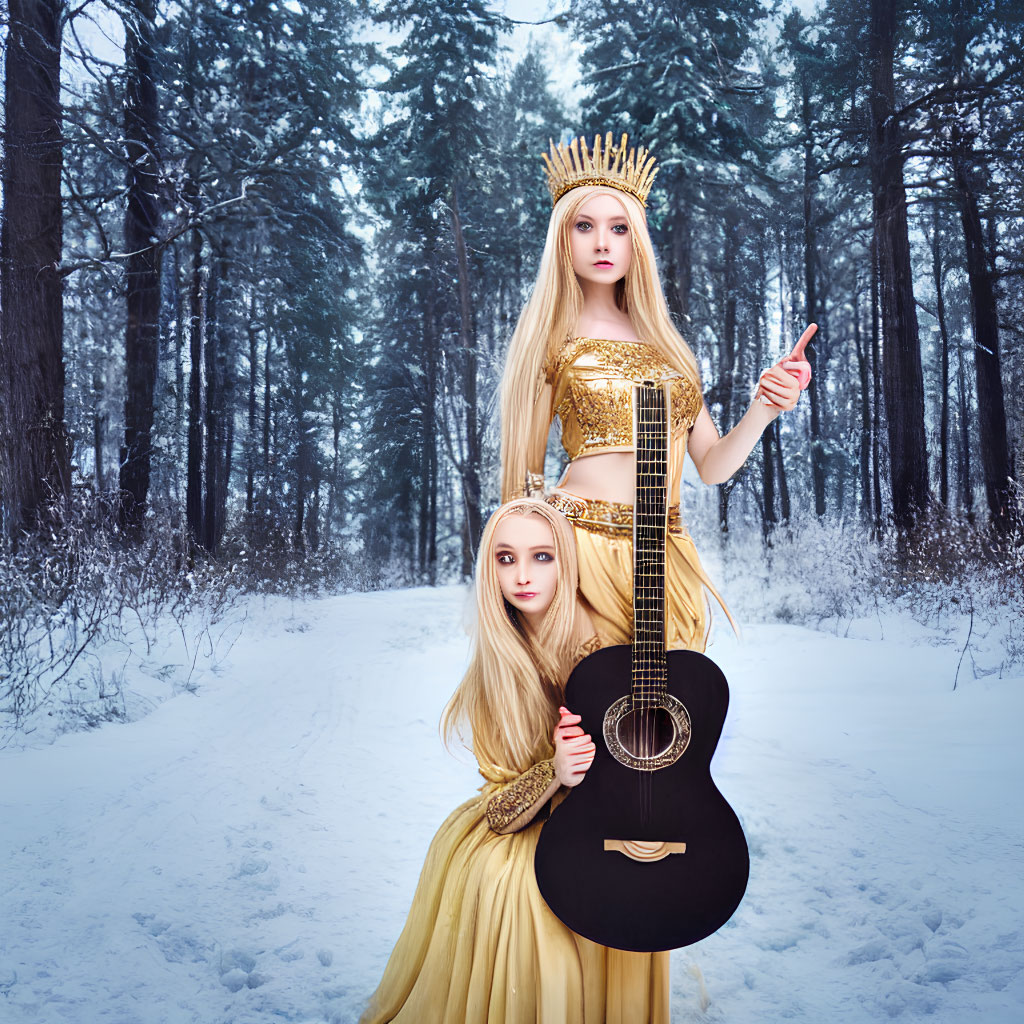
260 131
432 146
976 52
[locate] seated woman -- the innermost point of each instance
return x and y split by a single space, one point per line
480 944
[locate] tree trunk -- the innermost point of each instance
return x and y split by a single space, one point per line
218 408
470 469
179 368
99 427
193 471
784 332
816 388
313 516
727 345
142 274
427 441
903 379
429 461
35 460
995 451
433 474
768 516
211 407
963 413
937 277
876 386
226 455
266 419
864 374
250 441
336 488
301 477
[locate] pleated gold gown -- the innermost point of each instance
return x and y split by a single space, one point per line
606 582
480 944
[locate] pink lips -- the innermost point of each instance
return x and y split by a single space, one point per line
604 263
525 594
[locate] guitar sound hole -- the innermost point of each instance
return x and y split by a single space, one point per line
646 733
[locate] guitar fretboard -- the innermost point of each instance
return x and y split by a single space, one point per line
650 518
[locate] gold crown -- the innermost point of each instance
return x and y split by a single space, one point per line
568 169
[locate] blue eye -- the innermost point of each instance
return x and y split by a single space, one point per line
506 559
544 556
583 225
621 229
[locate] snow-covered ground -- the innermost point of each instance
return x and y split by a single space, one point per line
247 852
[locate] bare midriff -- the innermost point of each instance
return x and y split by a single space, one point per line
608 476
611 476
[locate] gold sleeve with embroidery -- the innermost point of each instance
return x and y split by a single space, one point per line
518 797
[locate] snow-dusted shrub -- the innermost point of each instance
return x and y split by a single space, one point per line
954 569
808 572
277 565
55 601
954 578
80 600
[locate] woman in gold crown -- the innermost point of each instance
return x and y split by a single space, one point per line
595 324
480 944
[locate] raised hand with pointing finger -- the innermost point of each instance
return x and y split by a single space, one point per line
780 385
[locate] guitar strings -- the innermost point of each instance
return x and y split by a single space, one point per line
650 522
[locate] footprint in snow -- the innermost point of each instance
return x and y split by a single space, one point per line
177 944
256 871
869 952
238 971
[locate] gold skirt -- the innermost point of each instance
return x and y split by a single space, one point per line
604 545
480 945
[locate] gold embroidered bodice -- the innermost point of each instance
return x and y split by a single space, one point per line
593 382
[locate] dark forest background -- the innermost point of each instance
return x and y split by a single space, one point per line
260 262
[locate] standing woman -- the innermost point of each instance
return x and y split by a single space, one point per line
597 323
480 944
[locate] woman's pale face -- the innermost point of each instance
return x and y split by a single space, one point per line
599 240
524 553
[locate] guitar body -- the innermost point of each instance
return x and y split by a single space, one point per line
645 901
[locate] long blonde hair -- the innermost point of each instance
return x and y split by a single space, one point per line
549 318
510 693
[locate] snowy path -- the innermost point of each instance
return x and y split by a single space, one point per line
248 853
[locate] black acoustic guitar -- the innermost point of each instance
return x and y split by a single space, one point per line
645 853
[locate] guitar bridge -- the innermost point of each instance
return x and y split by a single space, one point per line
645 851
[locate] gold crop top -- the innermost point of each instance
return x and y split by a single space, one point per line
593 382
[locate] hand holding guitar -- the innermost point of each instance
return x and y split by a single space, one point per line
574 749
781 385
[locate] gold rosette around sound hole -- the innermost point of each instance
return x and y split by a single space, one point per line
647 738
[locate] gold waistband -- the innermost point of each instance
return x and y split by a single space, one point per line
612 518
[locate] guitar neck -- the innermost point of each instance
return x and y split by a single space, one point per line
650 521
